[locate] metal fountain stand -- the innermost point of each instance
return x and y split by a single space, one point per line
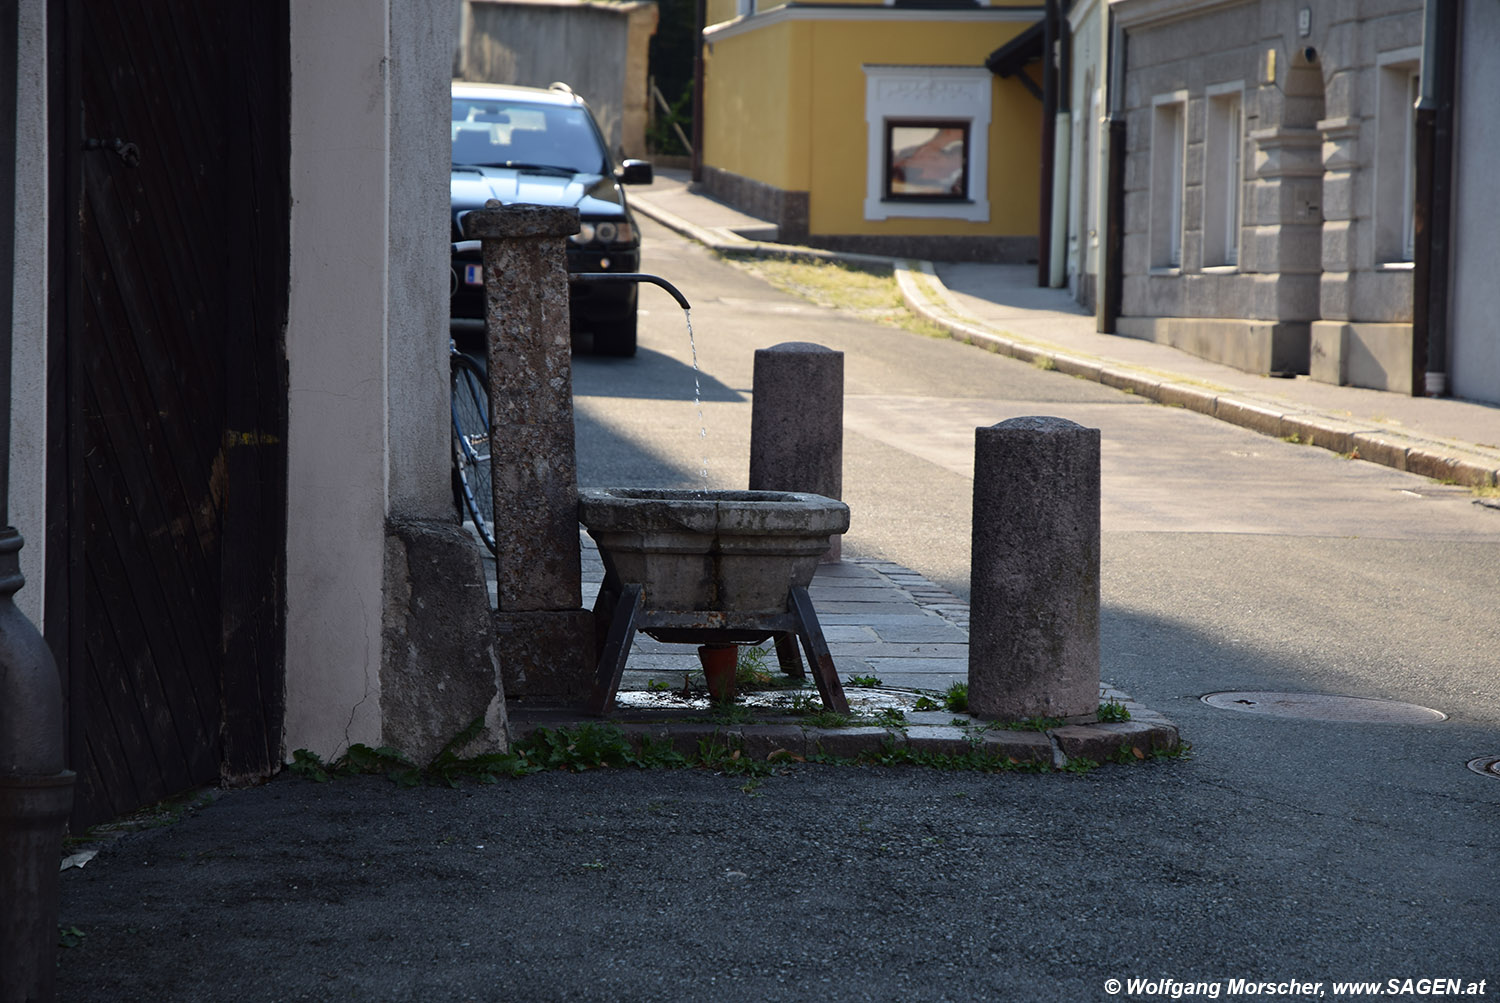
710 567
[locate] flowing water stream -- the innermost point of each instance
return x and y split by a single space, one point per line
698 394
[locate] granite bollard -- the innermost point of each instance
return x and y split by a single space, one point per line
1034 578
543 635
797 423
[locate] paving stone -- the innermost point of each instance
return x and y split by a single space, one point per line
929 682
944 740
872 608
844 569
911 616
943 718
915 666
839 634
683 739
761 741
895 649
1100 742
933 630
1022 746
827 595
847 743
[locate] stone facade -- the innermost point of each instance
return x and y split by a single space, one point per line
1474 316
1267 193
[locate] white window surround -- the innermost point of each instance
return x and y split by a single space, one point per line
1223 173
1168 159
951 93
1395 150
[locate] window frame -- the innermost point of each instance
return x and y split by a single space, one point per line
1168 182
892 124
1399 83
1223 175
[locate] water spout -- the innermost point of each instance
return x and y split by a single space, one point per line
631 277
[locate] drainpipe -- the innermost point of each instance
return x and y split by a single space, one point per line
1062 158
1433 209
1111 270
36 790
1049 139
700 15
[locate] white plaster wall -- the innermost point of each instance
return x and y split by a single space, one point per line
28 381
367 339
421 47
338 325
1474 352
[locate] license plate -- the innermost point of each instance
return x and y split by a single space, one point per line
474 275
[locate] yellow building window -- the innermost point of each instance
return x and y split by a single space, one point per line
927 160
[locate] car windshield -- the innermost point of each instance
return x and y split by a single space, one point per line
498 132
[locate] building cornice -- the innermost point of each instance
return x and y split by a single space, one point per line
863 12
1131 14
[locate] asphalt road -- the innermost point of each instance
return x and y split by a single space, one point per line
1279 850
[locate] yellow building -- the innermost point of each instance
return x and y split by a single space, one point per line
874 127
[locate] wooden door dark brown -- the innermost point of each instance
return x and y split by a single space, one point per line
176 158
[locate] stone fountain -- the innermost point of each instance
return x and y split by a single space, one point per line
714 567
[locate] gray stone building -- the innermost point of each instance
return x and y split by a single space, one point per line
1269 183
1470 338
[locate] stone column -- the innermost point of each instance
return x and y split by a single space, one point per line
544 637
797 423
1034 608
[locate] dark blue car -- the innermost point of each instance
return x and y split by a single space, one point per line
543 147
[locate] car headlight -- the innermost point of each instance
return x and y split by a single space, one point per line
584 235
606 232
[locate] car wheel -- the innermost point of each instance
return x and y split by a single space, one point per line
616 339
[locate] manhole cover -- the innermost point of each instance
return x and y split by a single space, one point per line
1325 707
1486 766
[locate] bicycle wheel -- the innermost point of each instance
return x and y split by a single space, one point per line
471 446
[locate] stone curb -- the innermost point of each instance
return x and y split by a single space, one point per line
1058 747
1440 461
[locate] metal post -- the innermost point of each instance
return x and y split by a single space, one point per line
700 18
1049 153
36 791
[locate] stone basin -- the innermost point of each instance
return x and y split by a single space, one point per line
736 552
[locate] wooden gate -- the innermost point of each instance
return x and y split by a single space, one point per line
175 129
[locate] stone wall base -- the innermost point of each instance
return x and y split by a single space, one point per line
1254 346
440 671
1374 356
547 654
788 211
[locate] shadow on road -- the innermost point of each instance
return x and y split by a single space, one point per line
648 376
608 459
